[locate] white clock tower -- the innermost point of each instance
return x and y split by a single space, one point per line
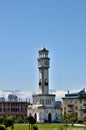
43 66
44 107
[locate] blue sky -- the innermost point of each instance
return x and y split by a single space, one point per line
26 26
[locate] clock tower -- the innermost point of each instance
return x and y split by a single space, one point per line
44 107
43 66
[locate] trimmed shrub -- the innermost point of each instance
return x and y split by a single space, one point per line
35 128
1 119
80 121
73 119
19 120
85 118
2 127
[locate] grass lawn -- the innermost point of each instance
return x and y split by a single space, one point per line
48 127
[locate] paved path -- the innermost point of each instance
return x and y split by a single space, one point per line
77 124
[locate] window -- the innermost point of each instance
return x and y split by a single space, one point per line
81 114
80 107
76 101
43 101
70 101
76 108
0 109
39 82
80 100
46 82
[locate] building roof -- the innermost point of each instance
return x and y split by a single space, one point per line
80 94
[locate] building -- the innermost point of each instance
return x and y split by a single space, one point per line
75 102
44 107
18 108
13 106
12 97
2 99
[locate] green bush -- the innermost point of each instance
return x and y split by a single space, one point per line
19 120
35 128
62 127
73 119
1 119
85 118
2 127
80 121
8 122
31 120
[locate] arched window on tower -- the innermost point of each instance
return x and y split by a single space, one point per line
46 82
42 101
46 101
39 82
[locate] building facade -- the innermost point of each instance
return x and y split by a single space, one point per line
13 107
44 108
75 102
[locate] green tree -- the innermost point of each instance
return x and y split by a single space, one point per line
84 119
2 127
80 121
1 119
71 117
31 120
20 120
8 122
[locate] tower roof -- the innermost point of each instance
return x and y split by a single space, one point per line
43 50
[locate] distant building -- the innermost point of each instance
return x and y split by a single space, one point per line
16 108
75 102
44 107
12 97
58 104
13 106
2 99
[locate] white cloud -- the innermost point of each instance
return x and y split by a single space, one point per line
24 94
21 94
28 94
59 94
5 94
